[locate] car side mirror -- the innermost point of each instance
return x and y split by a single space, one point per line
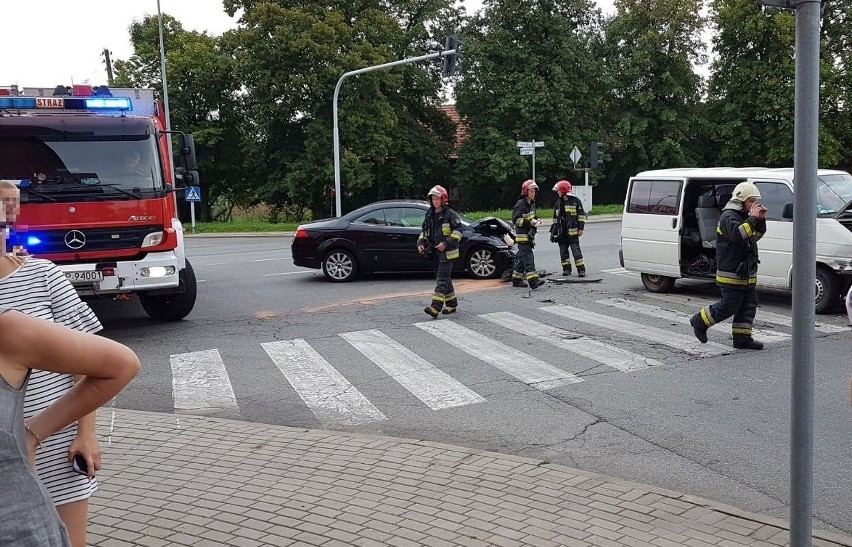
788 211
186 143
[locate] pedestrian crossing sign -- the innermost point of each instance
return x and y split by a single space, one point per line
192 193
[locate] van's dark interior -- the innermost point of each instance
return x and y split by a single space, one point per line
702 205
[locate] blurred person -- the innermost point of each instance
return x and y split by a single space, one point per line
439 240
38 288
28 517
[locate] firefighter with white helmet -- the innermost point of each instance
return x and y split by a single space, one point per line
569 221
741 225
439 240
526 221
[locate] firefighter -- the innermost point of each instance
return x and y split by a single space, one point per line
439 240
741 225
525 220
569 220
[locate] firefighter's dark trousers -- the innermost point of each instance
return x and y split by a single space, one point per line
445 294
524 263
572 244
739 303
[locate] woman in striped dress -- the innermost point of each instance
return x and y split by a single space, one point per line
38 288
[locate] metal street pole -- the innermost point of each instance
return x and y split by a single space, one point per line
410 60
806 131
166 102
533 155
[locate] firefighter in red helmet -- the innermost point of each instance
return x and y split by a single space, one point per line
439 240
526 221
569 221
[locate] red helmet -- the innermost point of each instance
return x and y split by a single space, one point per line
527 185
439 190
563 186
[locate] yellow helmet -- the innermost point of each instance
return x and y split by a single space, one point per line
745 190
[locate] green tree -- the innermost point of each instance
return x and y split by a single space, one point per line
654 110
836 89
204 100
394 141
528 74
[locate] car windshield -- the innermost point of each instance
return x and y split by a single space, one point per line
833 192
60 169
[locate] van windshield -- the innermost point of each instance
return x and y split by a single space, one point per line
833 193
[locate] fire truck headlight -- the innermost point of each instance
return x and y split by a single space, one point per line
152 240
157 271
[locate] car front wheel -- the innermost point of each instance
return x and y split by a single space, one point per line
657 283
481 263
827 290
339 265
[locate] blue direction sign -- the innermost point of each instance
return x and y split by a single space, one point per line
192 193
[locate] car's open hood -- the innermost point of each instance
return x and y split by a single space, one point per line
493 226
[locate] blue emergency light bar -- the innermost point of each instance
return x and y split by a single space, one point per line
66 103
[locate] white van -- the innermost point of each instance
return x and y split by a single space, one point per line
668 230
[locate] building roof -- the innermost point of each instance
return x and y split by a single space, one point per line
461 127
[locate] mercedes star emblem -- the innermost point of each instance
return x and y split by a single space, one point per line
75 239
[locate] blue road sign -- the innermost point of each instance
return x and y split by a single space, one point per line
192 193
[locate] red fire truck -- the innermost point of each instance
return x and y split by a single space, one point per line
97 191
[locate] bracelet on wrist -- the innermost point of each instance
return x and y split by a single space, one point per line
34 434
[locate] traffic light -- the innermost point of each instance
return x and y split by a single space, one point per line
596 155
450 61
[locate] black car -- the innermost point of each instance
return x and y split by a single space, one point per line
382 237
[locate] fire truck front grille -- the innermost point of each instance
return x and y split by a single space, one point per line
93 239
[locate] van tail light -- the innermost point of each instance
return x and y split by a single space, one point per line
300 233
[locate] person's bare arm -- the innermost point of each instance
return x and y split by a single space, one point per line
27 342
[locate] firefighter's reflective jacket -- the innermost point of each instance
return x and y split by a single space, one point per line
441 227
522 216
736 247
568 212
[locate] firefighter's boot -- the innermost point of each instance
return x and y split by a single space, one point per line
699 328
519 283
747 343
431 310
449 309
536 282
581 273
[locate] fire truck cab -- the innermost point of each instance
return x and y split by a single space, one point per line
97 191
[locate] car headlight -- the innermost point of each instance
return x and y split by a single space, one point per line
153 239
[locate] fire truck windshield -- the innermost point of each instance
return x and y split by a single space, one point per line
58 168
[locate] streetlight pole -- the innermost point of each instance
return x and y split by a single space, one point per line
166 104
337 200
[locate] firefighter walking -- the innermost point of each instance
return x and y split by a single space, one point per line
741 225
525 220
569 220
439 239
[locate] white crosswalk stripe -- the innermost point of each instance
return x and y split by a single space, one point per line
763 315
437 389
623 360
764 335
621 271
200 383
526 368
331 397
672 339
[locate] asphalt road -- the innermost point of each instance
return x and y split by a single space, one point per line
601 376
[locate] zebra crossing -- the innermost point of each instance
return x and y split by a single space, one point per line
548 347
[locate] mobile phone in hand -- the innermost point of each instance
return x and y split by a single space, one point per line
79 465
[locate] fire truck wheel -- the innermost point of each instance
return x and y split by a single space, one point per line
173 307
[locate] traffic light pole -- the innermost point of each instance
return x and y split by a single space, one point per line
337 200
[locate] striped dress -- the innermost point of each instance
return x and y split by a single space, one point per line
38 288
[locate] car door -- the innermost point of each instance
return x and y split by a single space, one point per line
404 226
369 234
652 224
776 246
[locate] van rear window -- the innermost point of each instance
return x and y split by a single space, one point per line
655 197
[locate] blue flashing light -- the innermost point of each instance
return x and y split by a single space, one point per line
33 241
108 103
18 102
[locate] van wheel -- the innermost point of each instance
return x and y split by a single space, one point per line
657 283
827 290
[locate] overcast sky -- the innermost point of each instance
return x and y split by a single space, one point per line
52 42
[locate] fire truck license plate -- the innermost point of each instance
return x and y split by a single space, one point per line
84 277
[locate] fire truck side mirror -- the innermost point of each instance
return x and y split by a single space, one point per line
187 151
190 178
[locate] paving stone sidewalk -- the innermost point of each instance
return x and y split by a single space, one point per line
185 480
